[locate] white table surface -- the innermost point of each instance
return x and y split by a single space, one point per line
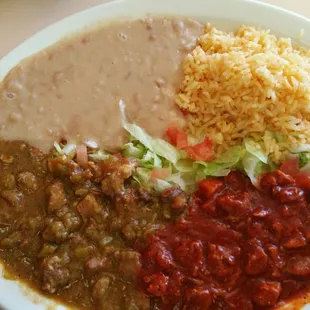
19 19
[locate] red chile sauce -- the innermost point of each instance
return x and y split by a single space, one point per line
236 247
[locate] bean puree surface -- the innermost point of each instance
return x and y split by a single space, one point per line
72 89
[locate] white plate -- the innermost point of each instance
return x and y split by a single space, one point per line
225 14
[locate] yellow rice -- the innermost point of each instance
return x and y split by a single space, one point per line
247 84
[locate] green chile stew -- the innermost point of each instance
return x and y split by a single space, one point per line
92 237
70 232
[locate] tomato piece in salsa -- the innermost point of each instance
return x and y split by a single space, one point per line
236 247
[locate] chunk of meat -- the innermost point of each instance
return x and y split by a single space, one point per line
207 188
189 253
129 265
289 194
170 193
237 181
56 196
62 166
299 266
295 241
234 204
89 207
97 171
287 210
79 176
130 231
157 284
268 182
144 195
27 182
278 229
176 197
94 265
222 260
198 299
276 178
126 169
13 197
113 183
267 294
54 274
11 240
236 301
283 178
180 202
101 287
55 230
70 219
261 212
162 255
256 259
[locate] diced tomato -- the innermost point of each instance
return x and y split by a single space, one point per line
161 173
177 136
291 166
172 133
182 141
201 151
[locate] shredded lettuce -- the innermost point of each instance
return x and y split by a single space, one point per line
131 150
300 149
255 161
153 153
224 164
184 165
304 159
156 153
100 155
252 166
57 147
255 149
304 162
69 150
158 146
143 177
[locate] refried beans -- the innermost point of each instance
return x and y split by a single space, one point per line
72 89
